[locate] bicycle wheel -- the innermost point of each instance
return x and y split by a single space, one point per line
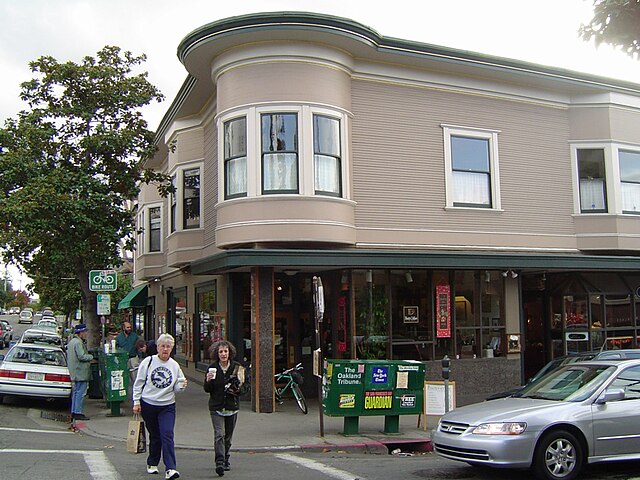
302 403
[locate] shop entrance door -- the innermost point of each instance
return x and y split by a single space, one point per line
535 354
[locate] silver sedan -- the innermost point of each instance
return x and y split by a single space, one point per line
582 413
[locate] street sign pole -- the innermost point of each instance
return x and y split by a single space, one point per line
318 300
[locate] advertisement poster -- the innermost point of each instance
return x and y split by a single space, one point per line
443 311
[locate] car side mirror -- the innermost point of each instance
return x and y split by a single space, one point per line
611 395
1 358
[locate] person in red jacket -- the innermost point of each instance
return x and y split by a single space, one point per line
225 382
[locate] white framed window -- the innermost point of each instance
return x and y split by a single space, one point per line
174 205
327 155
191 198
150 229
606 178
235 158
592 180
471 167
629 163
279 133
186 200
283 149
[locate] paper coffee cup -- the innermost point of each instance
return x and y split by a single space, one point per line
181 383
213 372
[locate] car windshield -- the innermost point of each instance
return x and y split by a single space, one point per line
43 356
571 383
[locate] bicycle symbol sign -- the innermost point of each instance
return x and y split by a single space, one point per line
103 281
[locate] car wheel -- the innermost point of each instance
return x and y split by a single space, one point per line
558 456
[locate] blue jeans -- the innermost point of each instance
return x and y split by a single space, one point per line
78 391
160 422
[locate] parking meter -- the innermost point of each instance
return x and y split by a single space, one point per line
445 367
445 375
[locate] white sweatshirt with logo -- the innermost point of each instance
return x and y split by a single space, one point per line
157 381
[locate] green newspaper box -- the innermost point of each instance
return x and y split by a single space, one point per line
114 372
389 388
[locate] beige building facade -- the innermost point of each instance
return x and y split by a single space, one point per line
451 203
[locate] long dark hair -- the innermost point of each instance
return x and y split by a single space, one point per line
213 350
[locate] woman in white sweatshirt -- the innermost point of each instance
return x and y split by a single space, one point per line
159 378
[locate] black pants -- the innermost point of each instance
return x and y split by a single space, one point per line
223 427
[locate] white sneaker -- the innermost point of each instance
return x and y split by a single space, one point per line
171 474
152 469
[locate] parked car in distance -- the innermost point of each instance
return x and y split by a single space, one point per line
26 316
47 312
571 358
41 336
35 370
50 324
7 333
14 310
583 412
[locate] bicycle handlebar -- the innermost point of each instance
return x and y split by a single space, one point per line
289 370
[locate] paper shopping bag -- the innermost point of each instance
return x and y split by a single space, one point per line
136 436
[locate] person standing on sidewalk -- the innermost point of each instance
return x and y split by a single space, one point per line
224 382
126 340
154 396
79 364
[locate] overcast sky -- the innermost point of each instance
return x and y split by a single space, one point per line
537 31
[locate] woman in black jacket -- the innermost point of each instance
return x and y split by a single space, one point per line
225 382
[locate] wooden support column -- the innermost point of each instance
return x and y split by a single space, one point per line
262 350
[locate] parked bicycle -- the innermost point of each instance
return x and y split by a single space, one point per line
291 379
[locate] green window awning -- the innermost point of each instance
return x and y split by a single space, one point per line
135 298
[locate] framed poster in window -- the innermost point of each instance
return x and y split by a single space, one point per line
219 327
410 314
443 311
513 343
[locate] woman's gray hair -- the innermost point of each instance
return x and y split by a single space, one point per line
166 338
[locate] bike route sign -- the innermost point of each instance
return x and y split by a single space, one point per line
103 281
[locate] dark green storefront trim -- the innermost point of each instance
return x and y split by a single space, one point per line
135 298
328 259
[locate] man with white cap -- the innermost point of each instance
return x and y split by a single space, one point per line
78 361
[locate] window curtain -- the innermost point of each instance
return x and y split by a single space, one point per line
592 194
471 188
631 197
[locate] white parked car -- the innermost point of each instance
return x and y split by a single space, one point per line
35 370
26 316
47 323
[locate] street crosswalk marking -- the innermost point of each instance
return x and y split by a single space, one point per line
100 468
320 467
33 430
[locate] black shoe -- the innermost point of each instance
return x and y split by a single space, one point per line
227 466
80 416
220 470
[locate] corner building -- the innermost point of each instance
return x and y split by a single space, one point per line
452 203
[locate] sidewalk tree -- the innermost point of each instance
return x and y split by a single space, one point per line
616 22
71 167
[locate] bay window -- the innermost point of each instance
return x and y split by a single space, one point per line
191 198
279 153
235 158
592 178
155 228
630 181
326 155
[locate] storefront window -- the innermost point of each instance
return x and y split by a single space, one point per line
372 313
412 324
465 320
618 311
576 314
180 312
210 323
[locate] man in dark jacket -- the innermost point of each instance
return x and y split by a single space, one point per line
225 382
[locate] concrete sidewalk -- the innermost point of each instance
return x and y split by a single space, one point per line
285 429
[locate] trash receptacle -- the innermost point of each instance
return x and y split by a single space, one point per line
114 373
94 390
